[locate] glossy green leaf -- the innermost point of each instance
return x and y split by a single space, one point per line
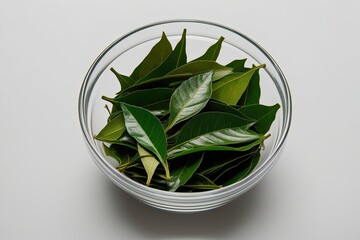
149 162
189 98
252 92
182 170
217 141
213 52
200 182
263 115
155 57
207 123
237 65
202 66
142 125
176 59
125 81
230 88
112 130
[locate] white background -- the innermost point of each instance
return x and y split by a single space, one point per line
51 189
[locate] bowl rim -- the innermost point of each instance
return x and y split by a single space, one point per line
139 188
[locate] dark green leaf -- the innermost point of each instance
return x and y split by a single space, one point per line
213 52
125 81
182 170
112 130
252 92
237 65
176 59
263 115
230 88
120 157
142 125
242 170
213 106
156 56
200 182
156 99
189 98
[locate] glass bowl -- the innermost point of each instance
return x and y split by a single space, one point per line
126 52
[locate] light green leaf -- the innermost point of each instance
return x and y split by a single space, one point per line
142 125
189 98
112 130
156 56
149 162
182 170
230 88
213 52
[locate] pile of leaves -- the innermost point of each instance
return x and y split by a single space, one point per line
187 126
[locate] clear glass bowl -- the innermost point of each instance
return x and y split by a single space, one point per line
126 52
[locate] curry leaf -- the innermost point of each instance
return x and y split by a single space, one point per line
217 141
149 162
142 125
183 169
189 98
230 88
156 56
213 52
263 115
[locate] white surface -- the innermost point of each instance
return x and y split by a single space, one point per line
51 189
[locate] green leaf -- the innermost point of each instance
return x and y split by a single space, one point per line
263 115
152 99
200 182
182 170
230 88
215 162
112 130
149 162
217 141
112 152
213 52
125 81
252 92
237 65
189 98
202 66
155 57
176 59
208 122
216 106
142 125
242 170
